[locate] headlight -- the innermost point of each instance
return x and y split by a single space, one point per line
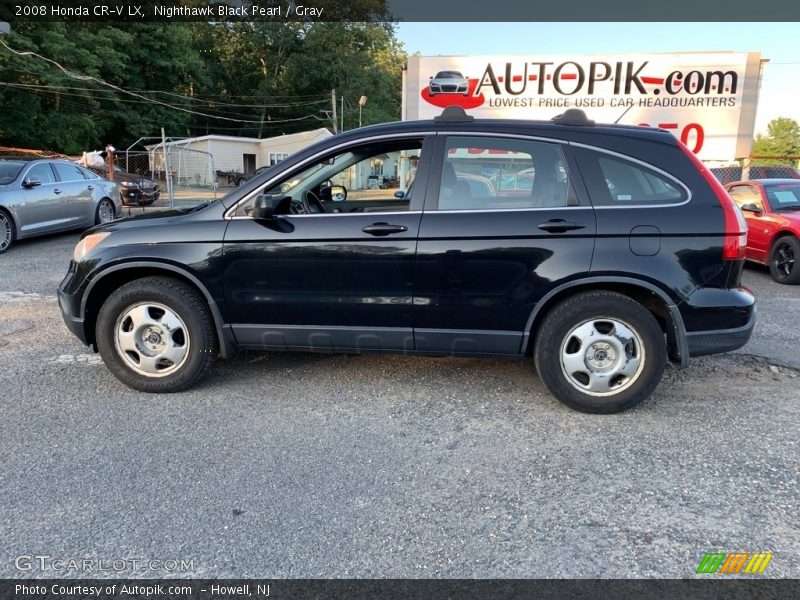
86 244
127 183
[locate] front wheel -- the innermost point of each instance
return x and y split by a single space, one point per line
156 335
600 352
783 259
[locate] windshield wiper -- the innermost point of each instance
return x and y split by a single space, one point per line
788 207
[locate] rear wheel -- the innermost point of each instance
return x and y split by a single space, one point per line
8 232
783 259
600 352
105 212
156 335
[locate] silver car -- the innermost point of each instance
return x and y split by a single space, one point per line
448 82
47 196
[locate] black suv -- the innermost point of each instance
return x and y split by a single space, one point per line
623 252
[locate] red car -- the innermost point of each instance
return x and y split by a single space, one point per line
771 208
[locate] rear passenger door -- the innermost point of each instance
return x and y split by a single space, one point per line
487 251
76 192
43 209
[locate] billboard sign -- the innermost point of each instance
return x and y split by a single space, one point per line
707 99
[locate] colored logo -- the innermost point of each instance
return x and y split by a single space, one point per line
734 563
448 88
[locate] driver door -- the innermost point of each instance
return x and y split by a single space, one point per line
319 280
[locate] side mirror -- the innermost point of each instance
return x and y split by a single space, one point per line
30 183
431 77
400 195
338 193
752 207
264 207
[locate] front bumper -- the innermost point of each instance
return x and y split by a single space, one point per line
137 195
69 301
73 322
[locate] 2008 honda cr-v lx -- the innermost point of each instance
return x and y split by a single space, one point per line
624 253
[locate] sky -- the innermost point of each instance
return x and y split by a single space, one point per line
778 42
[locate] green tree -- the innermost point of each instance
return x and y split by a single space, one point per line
782 140
256 79
45 107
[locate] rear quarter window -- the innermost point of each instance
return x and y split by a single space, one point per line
617 181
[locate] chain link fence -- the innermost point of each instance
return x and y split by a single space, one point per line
188 175
742 173
166 174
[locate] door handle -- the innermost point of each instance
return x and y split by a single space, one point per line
91 187
381 229
56 191
560 226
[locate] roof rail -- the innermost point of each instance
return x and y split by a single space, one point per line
453 114
572 116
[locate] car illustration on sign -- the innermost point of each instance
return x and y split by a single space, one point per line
448 82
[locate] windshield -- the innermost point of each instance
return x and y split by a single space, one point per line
9 169
449 75
783 196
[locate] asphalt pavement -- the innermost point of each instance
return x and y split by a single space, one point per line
309 465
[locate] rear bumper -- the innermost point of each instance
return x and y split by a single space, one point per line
715 341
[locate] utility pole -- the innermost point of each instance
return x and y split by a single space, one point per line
333 105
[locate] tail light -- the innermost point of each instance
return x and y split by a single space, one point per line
734 244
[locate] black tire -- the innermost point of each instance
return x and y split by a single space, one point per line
8 231
783 260
101 212
196 333
595 315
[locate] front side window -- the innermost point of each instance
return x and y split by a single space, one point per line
746 194
374 177
41 172
498 173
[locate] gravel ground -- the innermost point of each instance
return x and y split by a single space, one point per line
300 465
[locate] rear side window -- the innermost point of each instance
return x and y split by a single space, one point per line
67 172
88 174
492 173
615 181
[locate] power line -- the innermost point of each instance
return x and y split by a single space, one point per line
131 93
221 103
57 90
